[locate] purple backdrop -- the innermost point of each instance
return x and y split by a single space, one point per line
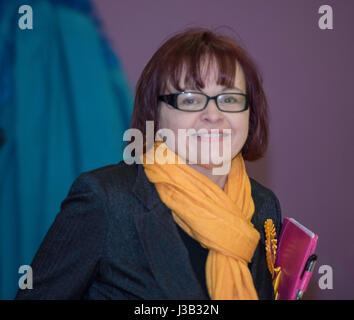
308 79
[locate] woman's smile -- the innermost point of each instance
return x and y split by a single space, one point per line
211 135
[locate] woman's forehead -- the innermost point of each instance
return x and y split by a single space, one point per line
210 76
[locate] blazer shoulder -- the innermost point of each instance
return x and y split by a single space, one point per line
267 205
115 177
261 192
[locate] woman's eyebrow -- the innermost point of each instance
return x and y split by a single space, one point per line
233 88
222 89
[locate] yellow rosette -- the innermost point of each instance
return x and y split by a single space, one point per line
271 252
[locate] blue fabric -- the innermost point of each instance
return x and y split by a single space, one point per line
64 106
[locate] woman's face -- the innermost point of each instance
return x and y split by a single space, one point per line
209 118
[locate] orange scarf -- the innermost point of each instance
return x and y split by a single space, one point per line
219 220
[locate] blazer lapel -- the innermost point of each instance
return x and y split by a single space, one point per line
163 246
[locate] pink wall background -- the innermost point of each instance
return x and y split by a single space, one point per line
308 79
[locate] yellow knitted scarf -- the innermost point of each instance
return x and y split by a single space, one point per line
219 220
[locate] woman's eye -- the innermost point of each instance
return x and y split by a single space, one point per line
188 101
229 100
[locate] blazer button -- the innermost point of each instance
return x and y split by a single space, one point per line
2 137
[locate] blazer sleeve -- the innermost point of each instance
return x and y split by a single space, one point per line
68 257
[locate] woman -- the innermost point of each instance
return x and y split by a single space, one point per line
174 230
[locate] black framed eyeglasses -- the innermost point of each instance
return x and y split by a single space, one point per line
197 101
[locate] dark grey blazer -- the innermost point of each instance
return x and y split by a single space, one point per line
115 239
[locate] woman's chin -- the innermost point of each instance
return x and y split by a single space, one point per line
208 166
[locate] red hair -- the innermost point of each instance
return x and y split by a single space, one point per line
188 49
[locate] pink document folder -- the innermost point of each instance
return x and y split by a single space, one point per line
296 258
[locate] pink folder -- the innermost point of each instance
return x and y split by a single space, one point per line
296 258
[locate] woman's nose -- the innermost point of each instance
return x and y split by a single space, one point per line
211 112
